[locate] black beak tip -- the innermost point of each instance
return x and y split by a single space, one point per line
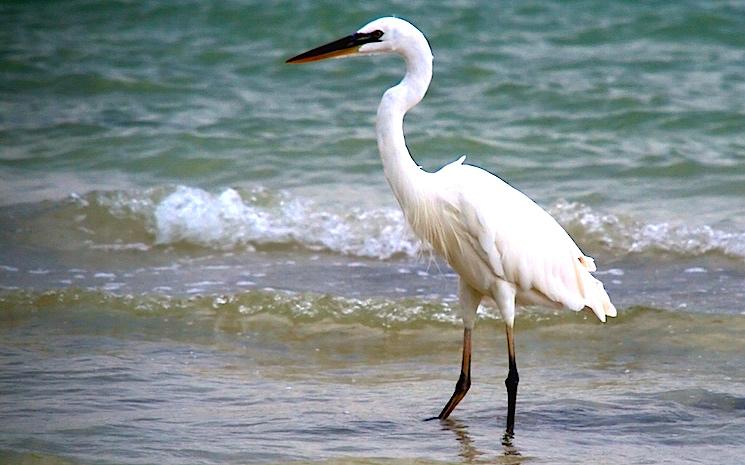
324 51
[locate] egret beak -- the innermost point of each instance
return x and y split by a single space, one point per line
345 46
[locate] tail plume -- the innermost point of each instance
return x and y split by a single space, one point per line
596 298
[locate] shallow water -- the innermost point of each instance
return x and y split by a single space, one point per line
201 262
265 377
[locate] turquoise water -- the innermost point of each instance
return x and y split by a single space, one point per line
201 261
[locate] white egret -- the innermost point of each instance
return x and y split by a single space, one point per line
503 246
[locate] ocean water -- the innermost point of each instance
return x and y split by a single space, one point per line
201 261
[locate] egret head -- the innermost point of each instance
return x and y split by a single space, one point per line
383 35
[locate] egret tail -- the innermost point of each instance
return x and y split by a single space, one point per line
596 298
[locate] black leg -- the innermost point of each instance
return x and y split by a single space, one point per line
511 382
464 381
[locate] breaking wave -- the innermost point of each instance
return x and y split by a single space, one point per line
226 220
260 219
623 236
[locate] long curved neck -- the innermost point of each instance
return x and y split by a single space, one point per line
399 167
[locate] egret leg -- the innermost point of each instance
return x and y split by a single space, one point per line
464 381
511 382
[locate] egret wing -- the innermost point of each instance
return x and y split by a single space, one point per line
520 241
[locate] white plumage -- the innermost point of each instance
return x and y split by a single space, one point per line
503 246
489 232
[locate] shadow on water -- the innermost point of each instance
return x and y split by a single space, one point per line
471 454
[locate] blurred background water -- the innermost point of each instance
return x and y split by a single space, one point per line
201 262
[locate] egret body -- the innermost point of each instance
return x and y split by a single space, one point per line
503 246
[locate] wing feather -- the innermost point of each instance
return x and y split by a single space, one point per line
521 243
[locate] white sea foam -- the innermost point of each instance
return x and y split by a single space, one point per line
629 236
226 221
231 220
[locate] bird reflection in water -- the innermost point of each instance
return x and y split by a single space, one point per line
470 454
